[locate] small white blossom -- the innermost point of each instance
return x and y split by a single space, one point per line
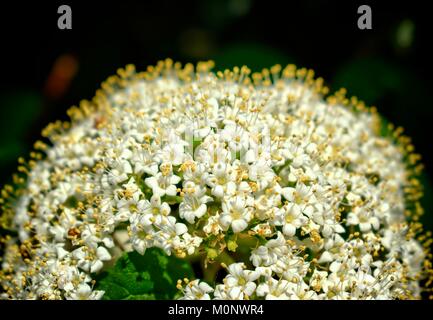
291 219
197 290
236 214
91 260
164 182
84 292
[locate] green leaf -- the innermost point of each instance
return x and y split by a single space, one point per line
153 275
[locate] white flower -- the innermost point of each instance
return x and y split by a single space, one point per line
212 151
164 182
169 230
261 172
240 281
300 195
365 219
128 200
144 162
223 292
194 202
84 292
291 219
141 234
69 276
91 260
222 180
174 152
120 172
363 284
212 225
274 289
268 254
301 291
235 214
197 290
236 137
150 212
263 230
317 279
186 243
335 287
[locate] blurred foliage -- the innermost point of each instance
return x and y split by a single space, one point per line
357 77
22 108
254 55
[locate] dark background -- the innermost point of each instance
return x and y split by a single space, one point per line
46 70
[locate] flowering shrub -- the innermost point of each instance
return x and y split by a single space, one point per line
256 183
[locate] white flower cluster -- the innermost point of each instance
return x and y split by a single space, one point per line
295 196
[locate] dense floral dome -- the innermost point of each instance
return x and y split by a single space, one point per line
278 192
